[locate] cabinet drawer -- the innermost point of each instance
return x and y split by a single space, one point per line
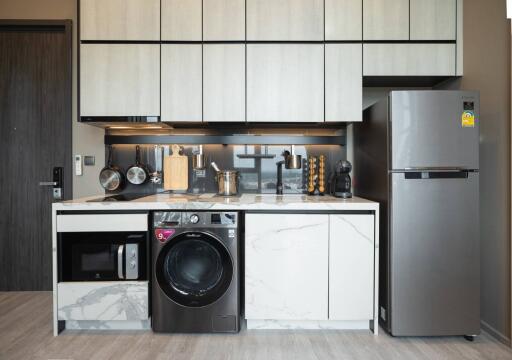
120 19
127 300
102 222
409 59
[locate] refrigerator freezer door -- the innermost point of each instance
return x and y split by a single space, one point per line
434 129
434 253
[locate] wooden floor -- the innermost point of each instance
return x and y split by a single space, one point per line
26 333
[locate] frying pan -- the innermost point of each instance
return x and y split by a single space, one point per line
111 177
138 173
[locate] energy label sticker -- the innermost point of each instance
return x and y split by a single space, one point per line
468 119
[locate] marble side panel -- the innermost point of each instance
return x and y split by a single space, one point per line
108 325
103 301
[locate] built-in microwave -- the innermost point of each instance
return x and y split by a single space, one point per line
102 256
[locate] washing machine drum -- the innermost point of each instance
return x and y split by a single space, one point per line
194 269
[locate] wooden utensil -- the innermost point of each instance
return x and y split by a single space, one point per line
175 170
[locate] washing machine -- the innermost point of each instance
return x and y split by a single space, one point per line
195 272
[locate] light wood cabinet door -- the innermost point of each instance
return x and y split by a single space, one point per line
286 271
343 82
386 20
351 267
433 19
224 83
409 59
285 83
182 82
224 20
269 20
343 19
182 20
120 20
120 80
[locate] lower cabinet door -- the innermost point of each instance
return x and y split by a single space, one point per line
286 266
351 267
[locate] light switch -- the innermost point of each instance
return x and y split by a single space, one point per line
89 160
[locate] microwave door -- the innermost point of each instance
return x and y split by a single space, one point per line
120 253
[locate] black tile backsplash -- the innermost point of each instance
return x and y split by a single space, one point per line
257 175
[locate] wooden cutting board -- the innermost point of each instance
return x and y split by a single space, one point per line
175 170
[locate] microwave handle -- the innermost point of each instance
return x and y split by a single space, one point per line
120 252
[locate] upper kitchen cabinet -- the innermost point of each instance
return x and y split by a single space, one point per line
285 83
343 19
409 59
285 20
120 80
224 82
120 20
182 83
343 82
386 19
182 20
433 19
224 20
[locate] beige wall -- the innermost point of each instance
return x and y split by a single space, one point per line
487 68
87 140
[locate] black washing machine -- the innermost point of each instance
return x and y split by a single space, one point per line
195 280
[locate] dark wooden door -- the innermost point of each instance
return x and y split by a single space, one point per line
35 136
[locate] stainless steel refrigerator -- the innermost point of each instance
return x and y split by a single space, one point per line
417 153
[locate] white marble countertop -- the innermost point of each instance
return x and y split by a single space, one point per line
165 201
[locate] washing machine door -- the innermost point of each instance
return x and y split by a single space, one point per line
194 269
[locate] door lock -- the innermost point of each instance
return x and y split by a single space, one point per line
57 183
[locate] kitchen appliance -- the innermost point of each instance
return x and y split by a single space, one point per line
291 161
195 260
175 170
138 173
111 177
227 181
341 183
102 256
417 153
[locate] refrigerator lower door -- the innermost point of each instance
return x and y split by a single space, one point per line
434 254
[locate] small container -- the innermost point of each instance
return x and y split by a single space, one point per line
228 180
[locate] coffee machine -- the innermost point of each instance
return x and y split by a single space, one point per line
340 182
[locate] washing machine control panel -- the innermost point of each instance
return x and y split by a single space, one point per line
174 220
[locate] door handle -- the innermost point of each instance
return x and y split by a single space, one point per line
47 183
120 252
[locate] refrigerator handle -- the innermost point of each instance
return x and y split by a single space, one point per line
416 175
436 169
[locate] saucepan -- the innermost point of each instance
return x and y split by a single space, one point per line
227 181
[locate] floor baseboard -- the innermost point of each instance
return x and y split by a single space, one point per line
495 333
